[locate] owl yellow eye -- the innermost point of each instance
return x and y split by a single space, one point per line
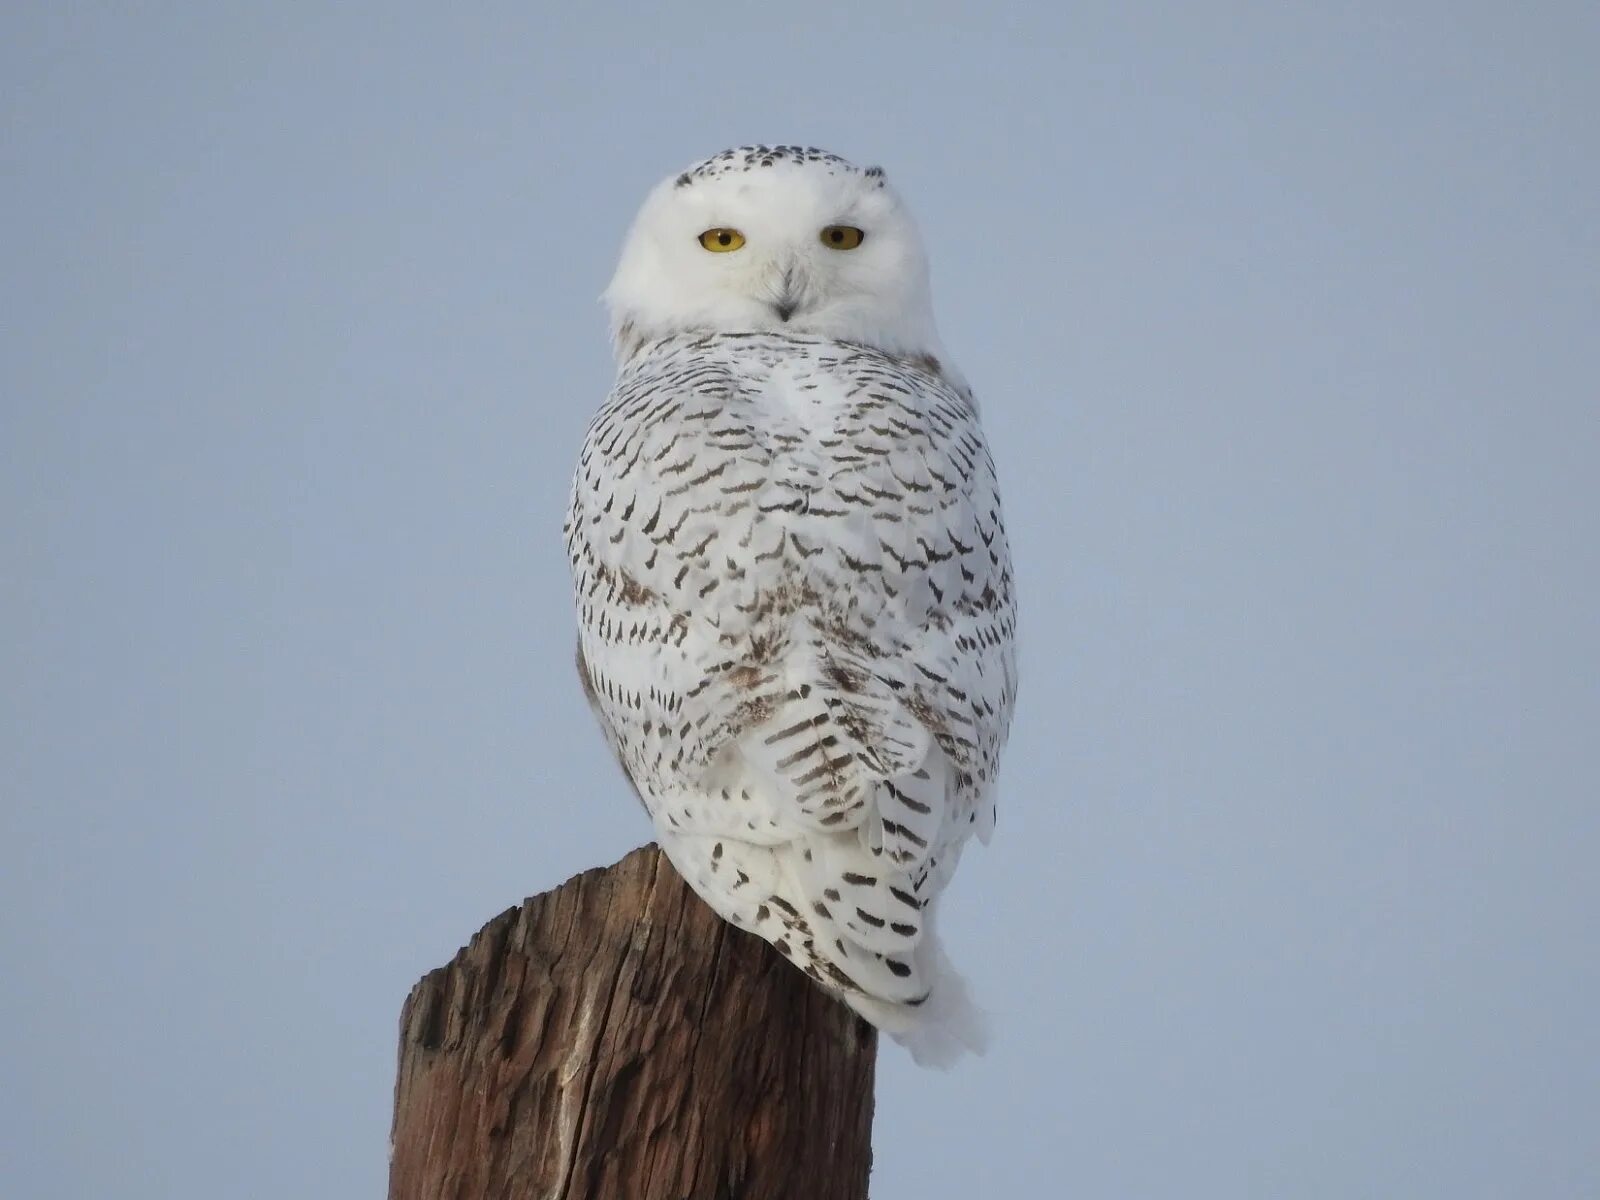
842 237
721 241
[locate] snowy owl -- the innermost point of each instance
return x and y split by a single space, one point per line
794 592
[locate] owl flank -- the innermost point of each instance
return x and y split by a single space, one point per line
794 592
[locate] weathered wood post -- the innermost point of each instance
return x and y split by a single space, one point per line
614 1039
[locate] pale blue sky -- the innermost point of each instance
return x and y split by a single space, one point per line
1284 319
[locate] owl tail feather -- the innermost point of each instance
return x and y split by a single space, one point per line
945 1027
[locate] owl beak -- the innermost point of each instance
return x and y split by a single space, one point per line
791 289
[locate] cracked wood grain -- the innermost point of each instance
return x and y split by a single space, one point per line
614 1039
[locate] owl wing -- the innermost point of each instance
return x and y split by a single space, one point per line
797 633
888 719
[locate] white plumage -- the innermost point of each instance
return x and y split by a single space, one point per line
794 592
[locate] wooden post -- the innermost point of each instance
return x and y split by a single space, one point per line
615 1039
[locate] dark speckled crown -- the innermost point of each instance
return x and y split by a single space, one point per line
752 158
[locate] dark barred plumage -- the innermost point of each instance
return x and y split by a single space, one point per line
796 625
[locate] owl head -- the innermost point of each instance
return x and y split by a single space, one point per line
775 239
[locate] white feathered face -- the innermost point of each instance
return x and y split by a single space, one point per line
775 238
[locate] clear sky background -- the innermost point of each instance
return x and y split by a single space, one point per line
1286 323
